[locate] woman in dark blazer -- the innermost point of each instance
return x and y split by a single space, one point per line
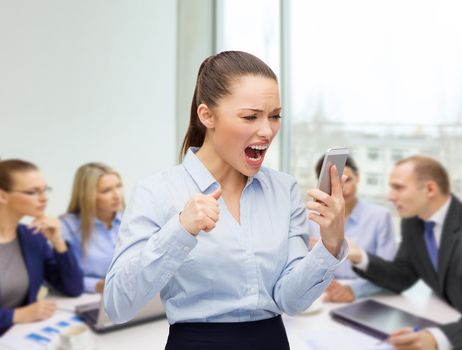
30 255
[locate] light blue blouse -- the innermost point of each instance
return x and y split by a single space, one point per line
246 271
100 247
370 227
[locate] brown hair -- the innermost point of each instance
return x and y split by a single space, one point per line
427 168
10 166
83 198
213 80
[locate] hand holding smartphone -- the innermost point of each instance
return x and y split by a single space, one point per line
328 209
333 156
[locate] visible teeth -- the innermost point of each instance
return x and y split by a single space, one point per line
259 147
258 158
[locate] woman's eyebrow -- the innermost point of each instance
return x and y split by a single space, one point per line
250 109
259 110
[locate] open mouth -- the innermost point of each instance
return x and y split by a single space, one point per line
255 153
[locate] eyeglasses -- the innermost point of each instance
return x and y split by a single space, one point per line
36 192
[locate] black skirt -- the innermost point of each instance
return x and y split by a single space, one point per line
267 334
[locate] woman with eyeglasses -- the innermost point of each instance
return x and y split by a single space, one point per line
92 221
26 257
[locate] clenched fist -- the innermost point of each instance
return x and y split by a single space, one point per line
201 213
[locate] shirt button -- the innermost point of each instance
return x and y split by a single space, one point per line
186 249
321 260
252 290
168 275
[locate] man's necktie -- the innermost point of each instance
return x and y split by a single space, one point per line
430 242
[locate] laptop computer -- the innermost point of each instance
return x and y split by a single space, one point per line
95 317
377 319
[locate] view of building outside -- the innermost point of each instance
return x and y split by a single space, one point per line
375 150
383 78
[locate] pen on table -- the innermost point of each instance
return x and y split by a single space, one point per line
414 329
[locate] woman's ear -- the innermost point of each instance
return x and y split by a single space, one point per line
206 116
3 197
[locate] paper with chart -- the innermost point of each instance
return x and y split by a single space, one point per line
39 335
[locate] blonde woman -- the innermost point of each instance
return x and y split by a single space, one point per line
92 221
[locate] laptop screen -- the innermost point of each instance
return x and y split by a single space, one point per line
94 315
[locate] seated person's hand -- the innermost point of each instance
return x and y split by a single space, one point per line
99 286
405 338
37 311
354 252
337 293
50 227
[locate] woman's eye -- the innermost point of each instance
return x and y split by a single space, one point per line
276 117
250 117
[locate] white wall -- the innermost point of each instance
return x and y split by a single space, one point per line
88 80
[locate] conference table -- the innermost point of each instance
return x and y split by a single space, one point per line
312 330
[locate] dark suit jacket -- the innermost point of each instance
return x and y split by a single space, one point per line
412 262
44 264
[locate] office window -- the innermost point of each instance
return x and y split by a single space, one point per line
254 27
396 155
373 179
383 78
457 186
373 154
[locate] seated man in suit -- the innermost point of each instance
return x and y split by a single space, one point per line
431 247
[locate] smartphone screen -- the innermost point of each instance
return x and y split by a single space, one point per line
333 156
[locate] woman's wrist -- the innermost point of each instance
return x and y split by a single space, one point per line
60 245
18 315
333 247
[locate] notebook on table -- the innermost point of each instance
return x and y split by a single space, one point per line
377 319
95 317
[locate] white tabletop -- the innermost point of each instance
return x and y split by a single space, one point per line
320 331
309 331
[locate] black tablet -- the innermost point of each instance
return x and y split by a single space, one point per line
377 319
